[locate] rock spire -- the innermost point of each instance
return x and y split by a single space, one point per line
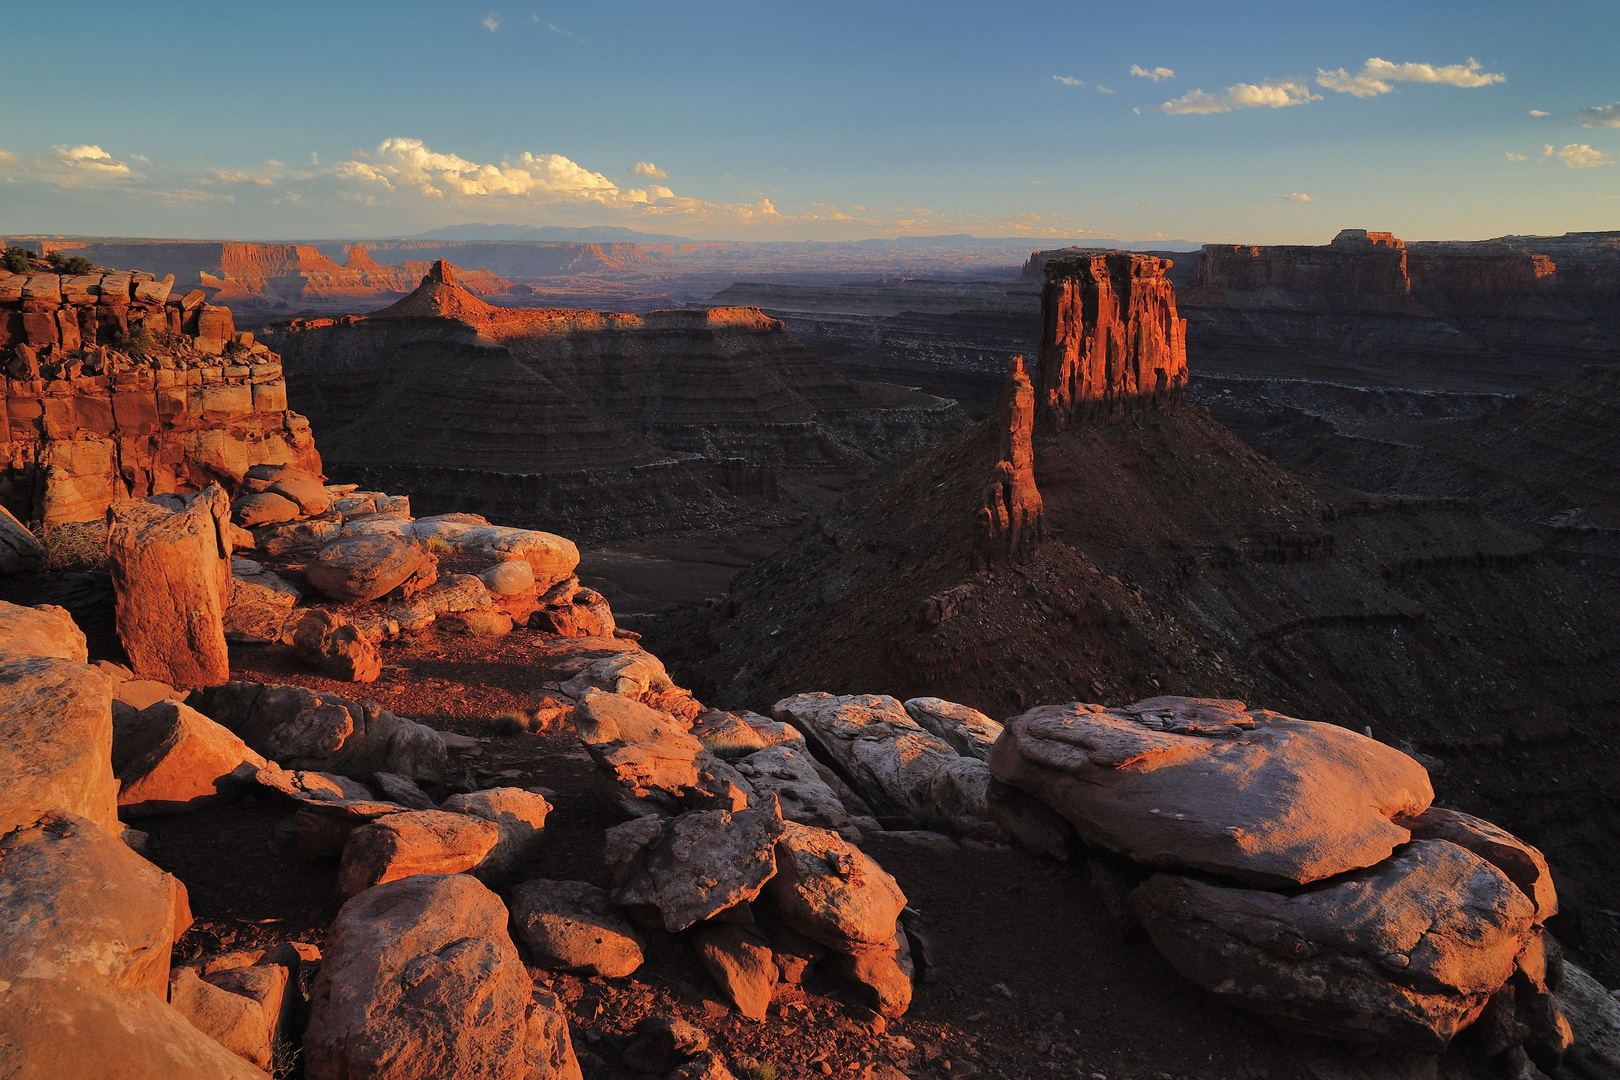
1011 517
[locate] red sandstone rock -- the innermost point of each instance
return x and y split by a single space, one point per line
365 567
1109 334
1011 521
831 892
739 960
414 842
46 630
172 576
56 738
336 646
572 926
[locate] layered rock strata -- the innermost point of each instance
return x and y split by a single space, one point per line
1109 335
118 388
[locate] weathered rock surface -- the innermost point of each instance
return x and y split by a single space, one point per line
419 981
1525 866
968 731
1209 785
572 926
364 567
738 958
788 772
19 549
263 508
260 604
1594 1017
1011 518
738 734
301 729
508 578
632 672
75 1027
45 630
681 871
239 1008
335 646
172 575
411 843
520 815
879 971
172 759
1110 334
644 752
56 739
832 892
75 900
1408 951
573 611
886 754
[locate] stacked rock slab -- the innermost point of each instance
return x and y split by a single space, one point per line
116 389
1110 335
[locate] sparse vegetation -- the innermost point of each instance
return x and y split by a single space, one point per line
17 260
69 264
76 545
235 349
510 723
438 545
137 341
660 683
762 1070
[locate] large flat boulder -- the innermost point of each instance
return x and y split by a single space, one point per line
679 871
172 759
644 752
1407 952
260 604
76 1027
415 842
729 735
56 738
46 630
573 926
1210 785
552 558
419 981
1524 865
366 567
887 756
788 772
519 815
75 900
241 1008
967 730
171 575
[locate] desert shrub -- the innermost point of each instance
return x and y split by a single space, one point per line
660 683
136 341
438 545
763 1070
509 723
17 260
74 545
69 264
235 349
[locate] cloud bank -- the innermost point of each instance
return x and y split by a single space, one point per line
1157 74
1275 95
1376 75
1600 116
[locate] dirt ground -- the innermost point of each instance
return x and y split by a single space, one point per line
1022 973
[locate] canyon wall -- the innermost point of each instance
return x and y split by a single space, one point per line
116 387
1109 335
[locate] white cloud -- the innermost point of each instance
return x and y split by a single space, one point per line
1548 150
1581 156
1376 75
1538 113
1601 116
1296 196
649 170
1511 156
1156 74
1101 89
409 163
1276 95
68 167
235 176
1068 80
492 22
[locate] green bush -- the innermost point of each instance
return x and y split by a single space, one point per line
16 260
137 341
69 264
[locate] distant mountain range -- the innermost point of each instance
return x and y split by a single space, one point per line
590 234
617 234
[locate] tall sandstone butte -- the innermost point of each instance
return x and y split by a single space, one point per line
1012 517
1110 335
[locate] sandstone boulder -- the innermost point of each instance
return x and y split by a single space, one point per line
632 672
260 606
263 508
886 754
646 753
302 489
479 622
552 558
738 734
75 1027
1524 865
788 772
297 537
1406 952
738 958
19 549
172 759
56 738
509 578
76 900
451 594
968 731
420 981
403 790
45 630
335 646
572 926
520 815
239 1008
411 843
171 575
880 972
547 1046
325 733
832 892
681 871
1209 785
1594 1016
364 567
571 610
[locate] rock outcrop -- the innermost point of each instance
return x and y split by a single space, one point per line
1011 519
1110 335
56 739
118 389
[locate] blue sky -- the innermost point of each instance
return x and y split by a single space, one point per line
1243 122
